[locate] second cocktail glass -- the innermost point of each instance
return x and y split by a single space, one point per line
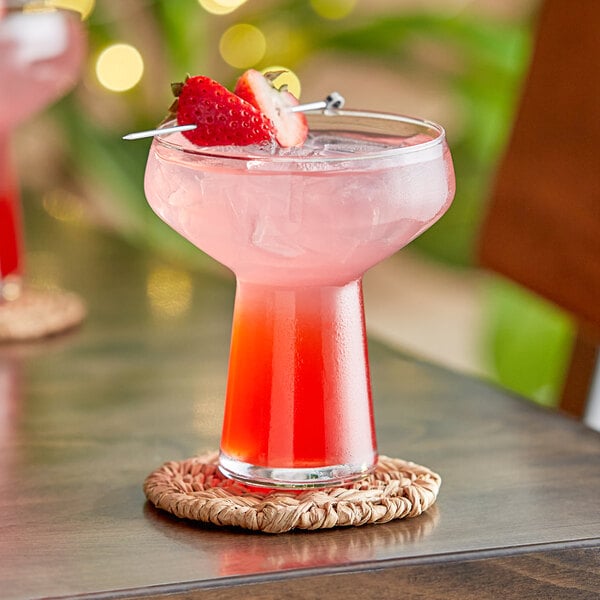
299 228
41 53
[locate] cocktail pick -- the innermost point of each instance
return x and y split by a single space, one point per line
163 131
334 101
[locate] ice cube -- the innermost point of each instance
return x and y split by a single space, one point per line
268 236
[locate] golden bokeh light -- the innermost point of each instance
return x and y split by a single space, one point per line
288 78
83 7
63 206
169 292
119 67
333 9
242 46
220 7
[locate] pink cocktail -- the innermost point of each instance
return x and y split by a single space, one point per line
299 228
40 58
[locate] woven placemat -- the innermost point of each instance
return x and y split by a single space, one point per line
195 489
39 313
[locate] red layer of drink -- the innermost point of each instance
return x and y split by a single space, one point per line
11 244
299 393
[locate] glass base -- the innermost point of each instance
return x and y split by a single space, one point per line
290 477
10 287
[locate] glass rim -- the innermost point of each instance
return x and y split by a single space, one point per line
209 152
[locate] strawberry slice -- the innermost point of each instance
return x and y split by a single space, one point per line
221 117
257 89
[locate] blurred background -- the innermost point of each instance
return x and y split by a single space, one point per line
458 62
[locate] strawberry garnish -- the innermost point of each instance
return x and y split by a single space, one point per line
258 90
221 117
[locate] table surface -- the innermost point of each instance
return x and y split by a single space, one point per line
85 416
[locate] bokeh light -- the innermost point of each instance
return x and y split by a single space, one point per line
288 78
242 46
333 9
169 292
119 67
83 7
220 7
63 206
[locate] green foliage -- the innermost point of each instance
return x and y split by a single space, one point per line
528 342
184 35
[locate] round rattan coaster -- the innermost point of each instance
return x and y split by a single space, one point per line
39 313
195 489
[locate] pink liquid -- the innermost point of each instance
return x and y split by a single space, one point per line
299 235
40 59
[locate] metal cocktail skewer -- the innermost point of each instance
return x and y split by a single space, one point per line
333 102
163 131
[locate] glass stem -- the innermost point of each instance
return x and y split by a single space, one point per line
299 393
11 233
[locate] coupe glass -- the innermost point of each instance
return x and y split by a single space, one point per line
41 51
299 229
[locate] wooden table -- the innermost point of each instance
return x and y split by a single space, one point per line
85 417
